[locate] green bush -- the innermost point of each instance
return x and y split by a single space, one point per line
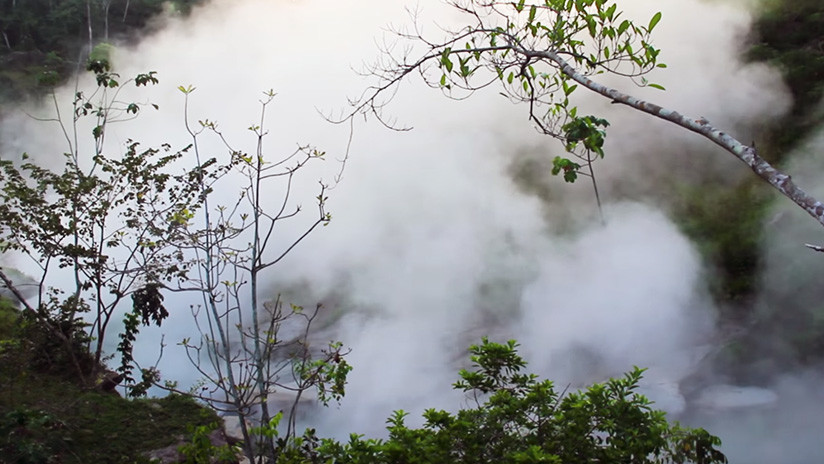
520 419
31 437
201 450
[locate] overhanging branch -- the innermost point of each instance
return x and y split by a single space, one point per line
779 180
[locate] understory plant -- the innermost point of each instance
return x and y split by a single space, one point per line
514 417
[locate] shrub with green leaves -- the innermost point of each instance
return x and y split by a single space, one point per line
201 449
518 418
31 437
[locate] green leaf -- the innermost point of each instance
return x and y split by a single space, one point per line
532 11
623 26
656 86
611 11
465 71
652 22
445 61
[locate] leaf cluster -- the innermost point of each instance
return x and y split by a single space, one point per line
200 449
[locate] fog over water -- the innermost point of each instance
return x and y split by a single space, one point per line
456 230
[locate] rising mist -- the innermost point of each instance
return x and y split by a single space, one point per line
446 233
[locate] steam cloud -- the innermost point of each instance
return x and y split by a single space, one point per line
440 235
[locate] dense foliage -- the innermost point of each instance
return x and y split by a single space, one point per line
517 418
726 221
42 42
788 35
786 326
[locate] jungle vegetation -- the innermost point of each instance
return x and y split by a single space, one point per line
42 43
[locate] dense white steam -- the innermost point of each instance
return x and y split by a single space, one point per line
436 239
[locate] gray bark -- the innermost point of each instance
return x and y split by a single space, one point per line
747 154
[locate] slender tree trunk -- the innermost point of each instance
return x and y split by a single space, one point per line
106 20
6 39
89 24
126 10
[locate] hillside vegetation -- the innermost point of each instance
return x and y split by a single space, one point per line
46 416
44 42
